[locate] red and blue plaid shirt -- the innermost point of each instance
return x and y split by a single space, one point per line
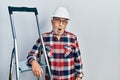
63 54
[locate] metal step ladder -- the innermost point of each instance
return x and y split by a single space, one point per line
22 66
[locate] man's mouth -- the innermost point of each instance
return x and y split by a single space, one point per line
59 29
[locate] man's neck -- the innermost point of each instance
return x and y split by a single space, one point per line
58 37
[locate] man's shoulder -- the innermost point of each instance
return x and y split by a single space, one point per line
71 35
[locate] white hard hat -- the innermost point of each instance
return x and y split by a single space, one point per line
61 12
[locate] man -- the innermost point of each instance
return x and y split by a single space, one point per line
62 50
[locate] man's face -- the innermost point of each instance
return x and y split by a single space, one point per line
59 25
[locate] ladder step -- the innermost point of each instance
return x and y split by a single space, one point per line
24 67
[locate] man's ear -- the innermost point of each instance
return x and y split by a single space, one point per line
52 21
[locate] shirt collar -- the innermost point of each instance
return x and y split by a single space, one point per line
53 33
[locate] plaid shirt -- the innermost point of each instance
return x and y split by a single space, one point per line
63 54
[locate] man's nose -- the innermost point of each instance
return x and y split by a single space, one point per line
60 23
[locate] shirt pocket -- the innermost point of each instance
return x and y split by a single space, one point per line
49 51
68 52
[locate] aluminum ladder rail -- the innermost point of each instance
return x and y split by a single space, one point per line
15 49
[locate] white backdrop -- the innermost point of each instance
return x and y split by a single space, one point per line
95 22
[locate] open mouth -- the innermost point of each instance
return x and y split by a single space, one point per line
59 29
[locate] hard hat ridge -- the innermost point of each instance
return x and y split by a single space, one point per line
62 13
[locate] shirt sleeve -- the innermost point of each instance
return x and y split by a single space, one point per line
33 54
78 60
